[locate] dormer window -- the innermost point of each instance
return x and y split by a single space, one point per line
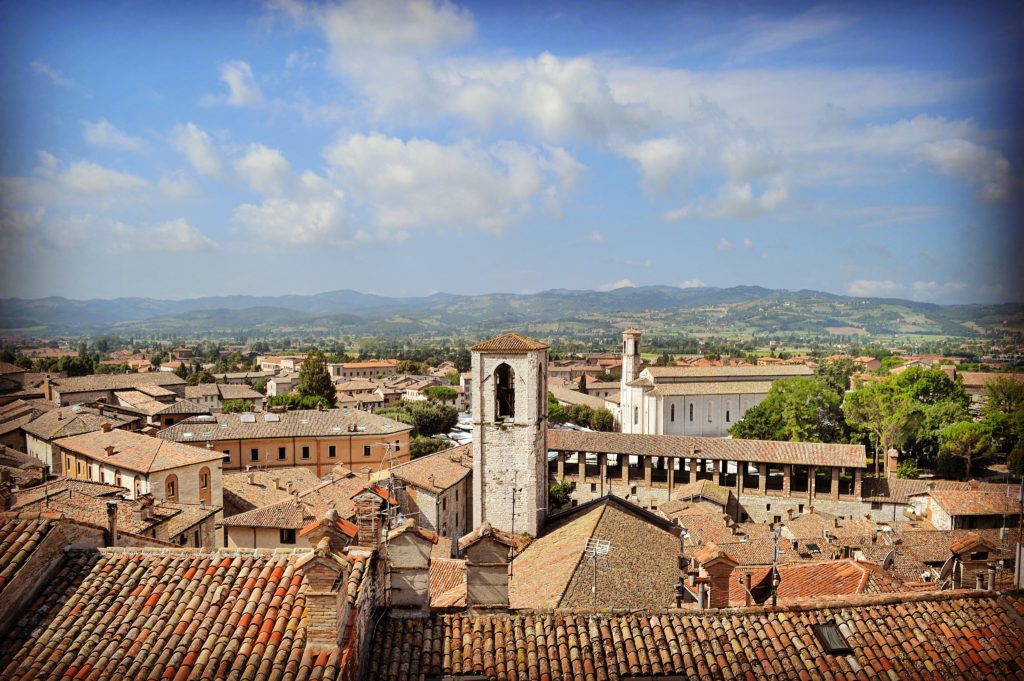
504 392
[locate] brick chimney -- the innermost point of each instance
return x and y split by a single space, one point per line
717 566
891 461
145 510
112 523
109 449
326 575
372 504
338 532
105 426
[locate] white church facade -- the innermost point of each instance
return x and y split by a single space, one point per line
699 401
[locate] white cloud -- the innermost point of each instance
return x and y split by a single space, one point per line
89 178
178 187
933 289
646 263
41 68
396 25
295 223
242 87
595 237
969 162
265 170
102 133
873 288
174 236
692 283
735 201
410 184
660 159
47 164
621 283
724 246
759 36
747 243
198 149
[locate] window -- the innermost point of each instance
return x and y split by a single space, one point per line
204 486
593 487
444 503
504 392
710 407
691 412
254 454
672 414
117 479
456 495
305 452
280 453
831 639
332 451
636 415
196 538
171 488
287 536
398 445
727 416
366 450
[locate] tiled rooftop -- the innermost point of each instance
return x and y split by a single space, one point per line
510 342
68 421
799 453
298 423
308 505
733 372
447 583
20 534
136 452
170 614
975 502
439 471
97 382
905 636
712 388
267 486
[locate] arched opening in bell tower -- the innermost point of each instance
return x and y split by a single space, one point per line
504 392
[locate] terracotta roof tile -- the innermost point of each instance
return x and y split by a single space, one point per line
20 534
439 471
98 382
298 423
136 452
510 342
799 453
447 583
906 636
172 614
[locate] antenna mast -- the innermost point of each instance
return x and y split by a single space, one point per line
594 549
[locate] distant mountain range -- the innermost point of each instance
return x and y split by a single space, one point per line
740 310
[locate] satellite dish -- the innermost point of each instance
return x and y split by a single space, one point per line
889 559
947 568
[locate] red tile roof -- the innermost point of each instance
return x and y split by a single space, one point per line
768 451
170 614
447 583
136 452
20 534
510 342
905 636
975 502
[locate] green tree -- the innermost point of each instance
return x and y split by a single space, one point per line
582 384
602 420
907 470
440 393
887 414
1003 412
314 380
181 371
799 409
260 386
453 377
201 376
560 494
292 401
422 445
426 418
964 446
23 362
236 406
836 373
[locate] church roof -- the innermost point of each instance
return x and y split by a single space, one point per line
510 342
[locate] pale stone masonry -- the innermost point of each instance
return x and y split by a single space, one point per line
509 433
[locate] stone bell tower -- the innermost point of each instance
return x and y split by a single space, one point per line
509 404
630 398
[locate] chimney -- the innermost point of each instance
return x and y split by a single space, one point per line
748 583
488 555
973 484
368 512
145 507
979 581
408 555
277 483
105 426
288 486
109 450
991 577
891 461
112 523
326 605
717 566
250 476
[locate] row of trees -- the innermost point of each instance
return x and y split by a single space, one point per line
581 415
922 413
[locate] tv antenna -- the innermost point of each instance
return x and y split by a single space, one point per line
594 549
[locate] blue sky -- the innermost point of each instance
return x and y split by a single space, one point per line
404 148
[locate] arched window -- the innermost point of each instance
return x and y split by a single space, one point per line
171 488
204 485
710 405
137 486
672 413
636 415
691 412
504 392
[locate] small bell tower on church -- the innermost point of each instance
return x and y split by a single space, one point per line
509 403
